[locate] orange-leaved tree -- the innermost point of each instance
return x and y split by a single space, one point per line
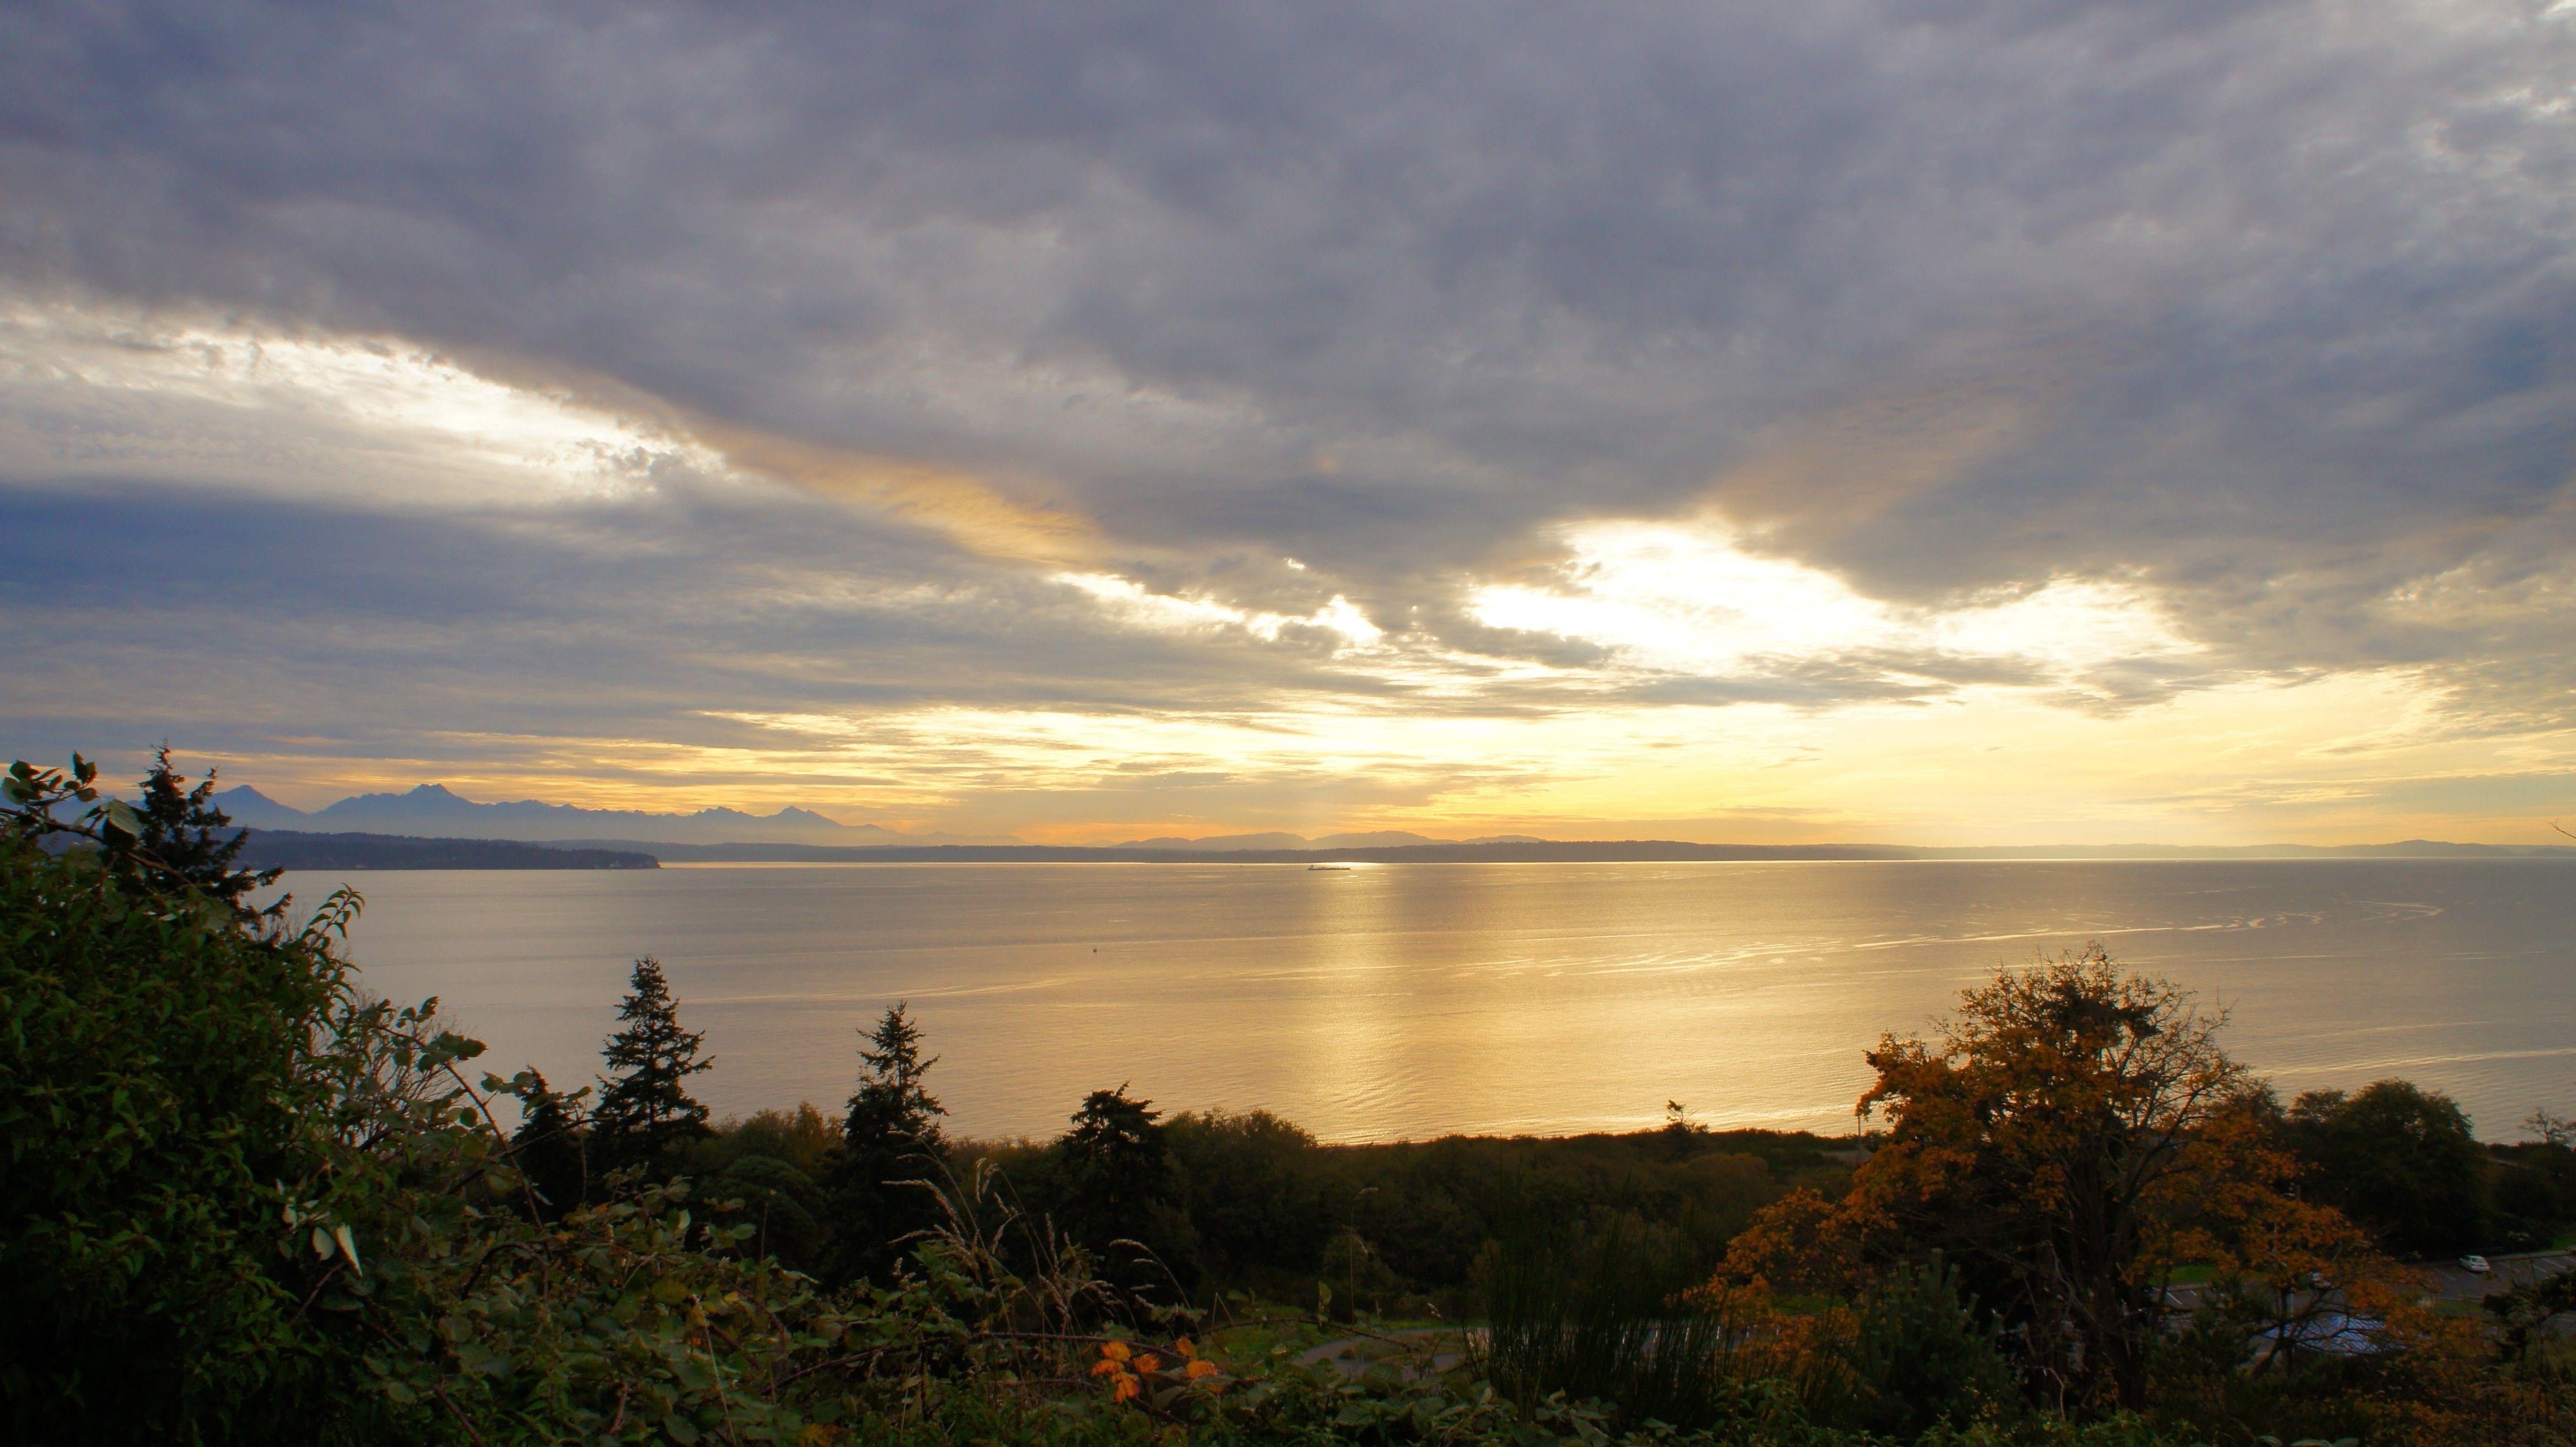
2067 1135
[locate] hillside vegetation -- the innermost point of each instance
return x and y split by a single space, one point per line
245 1202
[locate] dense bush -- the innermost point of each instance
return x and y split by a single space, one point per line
2398 1159
2531 1193
155 1087
1914 1356
1256 1191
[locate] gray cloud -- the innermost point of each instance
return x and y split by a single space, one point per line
2264 308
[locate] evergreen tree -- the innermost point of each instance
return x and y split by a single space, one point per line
552 1144
645 1110
172 840
1115 1156
1120 1186
180 833
891 1135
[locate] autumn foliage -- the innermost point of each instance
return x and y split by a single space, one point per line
2067 1141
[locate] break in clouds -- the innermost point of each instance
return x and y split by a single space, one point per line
1307 410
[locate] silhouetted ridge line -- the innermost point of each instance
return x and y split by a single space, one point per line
288 849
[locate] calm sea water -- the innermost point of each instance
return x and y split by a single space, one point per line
1407 1001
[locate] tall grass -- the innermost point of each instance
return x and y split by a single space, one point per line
1599 1314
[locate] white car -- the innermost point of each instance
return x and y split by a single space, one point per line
2475 1265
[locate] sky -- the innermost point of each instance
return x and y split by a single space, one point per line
1915 421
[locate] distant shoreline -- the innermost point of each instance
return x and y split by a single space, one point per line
292 849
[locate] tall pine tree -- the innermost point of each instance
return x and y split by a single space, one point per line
645 1112
891 1136
1121 1186
173 837
1117 1164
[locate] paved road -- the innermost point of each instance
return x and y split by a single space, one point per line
2450 1281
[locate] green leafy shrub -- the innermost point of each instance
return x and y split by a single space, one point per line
2399 1159
154 1084
1914 1358
782 1204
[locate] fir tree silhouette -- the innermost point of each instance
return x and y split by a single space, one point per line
181 838
891 1135
1116 1158
645 1110
1121 1186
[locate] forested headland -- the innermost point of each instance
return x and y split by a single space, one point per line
285 849
246 1202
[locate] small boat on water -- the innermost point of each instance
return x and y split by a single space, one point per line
1327 868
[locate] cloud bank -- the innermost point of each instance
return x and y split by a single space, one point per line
1117 417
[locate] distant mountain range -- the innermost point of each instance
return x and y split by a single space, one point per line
434 809
445 817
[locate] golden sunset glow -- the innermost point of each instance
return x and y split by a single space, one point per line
1719 688
1085 513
